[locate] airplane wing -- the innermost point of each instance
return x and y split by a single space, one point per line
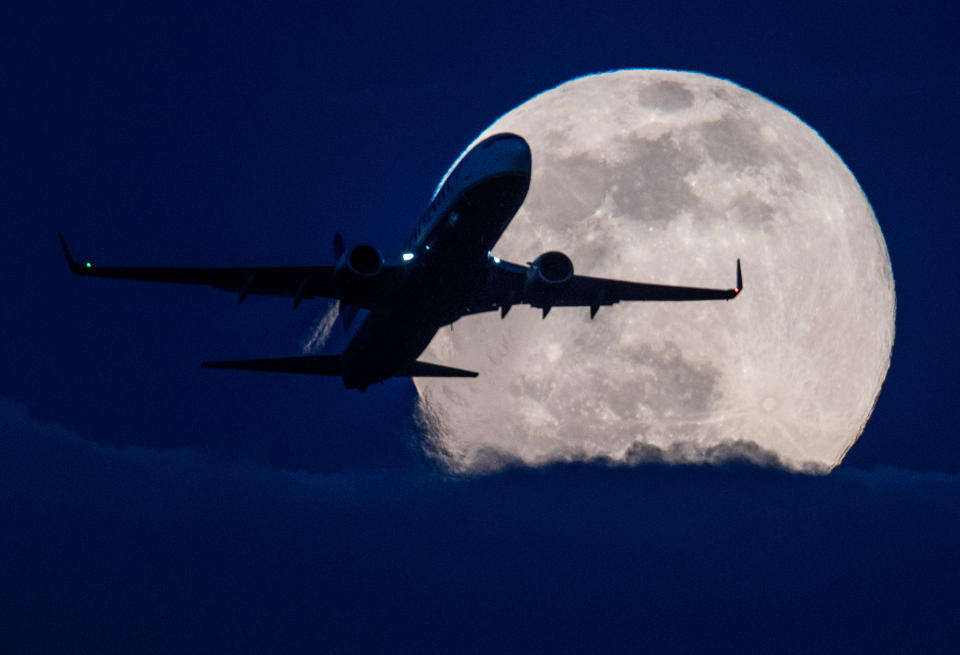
297 282
507 285
585 291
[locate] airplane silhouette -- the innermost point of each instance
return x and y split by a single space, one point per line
446 271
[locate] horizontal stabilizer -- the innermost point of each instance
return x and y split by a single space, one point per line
420 369
331 365
310 364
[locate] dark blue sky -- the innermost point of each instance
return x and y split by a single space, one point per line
148 505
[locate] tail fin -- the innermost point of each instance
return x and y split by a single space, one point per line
345 312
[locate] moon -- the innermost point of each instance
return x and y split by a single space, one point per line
669 177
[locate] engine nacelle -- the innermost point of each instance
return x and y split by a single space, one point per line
355 266
546 278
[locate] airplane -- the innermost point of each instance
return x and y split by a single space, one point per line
447 270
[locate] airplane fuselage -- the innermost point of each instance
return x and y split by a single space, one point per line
448 255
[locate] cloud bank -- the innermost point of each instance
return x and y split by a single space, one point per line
135 550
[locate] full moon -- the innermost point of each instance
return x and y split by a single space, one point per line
669 177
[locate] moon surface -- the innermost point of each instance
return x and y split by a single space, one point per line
668 177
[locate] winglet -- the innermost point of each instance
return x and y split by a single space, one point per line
739 286
74 266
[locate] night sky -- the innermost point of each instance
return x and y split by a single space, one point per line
148 505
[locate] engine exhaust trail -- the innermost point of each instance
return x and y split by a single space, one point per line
321 329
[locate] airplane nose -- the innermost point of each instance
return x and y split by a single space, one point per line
511 151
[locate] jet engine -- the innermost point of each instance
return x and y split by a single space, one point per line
355 266
546 278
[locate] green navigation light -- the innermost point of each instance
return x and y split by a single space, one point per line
89 265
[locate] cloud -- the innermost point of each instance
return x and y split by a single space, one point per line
734 452
137 550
